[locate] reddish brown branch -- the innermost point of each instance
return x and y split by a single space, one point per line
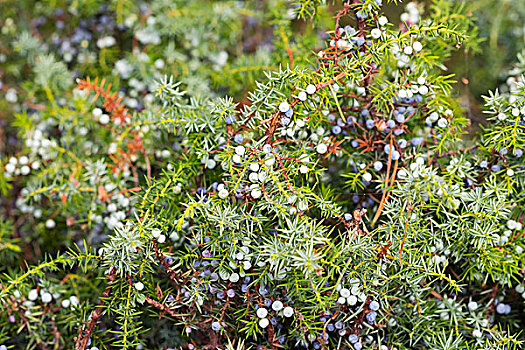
161 307
82 339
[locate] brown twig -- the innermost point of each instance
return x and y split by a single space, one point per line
82 339
405 233
161 307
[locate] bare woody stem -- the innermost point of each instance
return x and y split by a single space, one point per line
82 340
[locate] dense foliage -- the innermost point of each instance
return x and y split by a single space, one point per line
257 175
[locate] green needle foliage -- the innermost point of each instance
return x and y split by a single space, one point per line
332 202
